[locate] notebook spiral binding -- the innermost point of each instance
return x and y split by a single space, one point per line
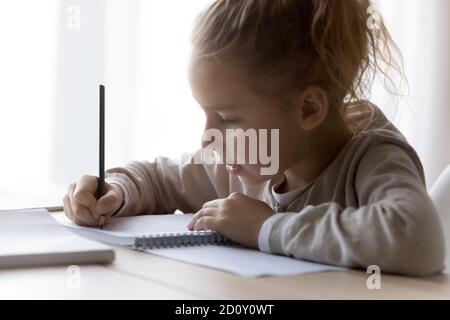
180 239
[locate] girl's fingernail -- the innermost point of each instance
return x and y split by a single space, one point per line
101 221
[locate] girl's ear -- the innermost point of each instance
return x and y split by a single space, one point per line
313 107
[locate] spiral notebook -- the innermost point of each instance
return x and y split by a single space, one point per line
149 232
179 239
167 236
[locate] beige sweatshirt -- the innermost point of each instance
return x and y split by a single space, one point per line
368 207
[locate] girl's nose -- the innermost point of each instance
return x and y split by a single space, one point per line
206 139
205 144
213 140
213 136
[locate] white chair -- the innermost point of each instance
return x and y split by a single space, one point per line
440 193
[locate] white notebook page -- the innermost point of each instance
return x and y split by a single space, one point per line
235 259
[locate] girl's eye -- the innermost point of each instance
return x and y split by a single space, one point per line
229 122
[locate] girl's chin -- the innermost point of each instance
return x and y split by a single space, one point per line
246 176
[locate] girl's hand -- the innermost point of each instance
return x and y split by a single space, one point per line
238 217
82 207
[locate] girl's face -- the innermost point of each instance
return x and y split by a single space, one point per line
225 96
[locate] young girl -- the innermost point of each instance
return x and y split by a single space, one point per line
350 190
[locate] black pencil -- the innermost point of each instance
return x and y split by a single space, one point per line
101 149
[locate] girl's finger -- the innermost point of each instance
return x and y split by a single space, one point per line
107 204
201 213
67 208
80 214
212 204
76 207
85 191
206 223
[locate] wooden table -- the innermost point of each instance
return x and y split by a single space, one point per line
139 275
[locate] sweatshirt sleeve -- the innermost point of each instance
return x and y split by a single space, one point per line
395 227
165 185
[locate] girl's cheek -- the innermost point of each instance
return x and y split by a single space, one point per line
251 177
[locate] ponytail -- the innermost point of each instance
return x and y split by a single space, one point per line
353 45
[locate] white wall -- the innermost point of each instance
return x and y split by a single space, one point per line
28 52
422 30
80 72
147 56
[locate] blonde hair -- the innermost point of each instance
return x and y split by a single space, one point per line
296 43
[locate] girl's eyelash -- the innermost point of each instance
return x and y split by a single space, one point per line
229 120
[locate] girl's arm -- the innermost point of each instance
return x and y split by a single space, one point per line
395 227
163 186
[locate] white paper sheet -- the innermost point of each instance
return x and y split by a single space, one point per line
234 259
242 261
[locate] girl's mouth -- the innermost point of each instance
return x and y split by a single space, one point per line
234 169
